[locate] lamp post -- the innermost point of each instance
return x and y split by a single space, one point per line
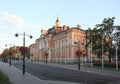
85 59
23 46
10 53
78 53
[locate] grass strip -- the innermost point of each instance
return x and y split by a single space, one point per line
4 79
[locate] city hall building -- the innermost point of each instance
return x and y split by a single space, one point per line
59 44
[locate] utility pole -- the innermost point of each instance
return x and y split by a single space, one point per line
91 52
102 52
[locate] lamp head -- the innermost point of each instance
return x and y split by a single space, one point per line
31 36
16 35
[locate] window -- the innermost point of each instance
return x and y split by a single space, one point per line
83 41
83 51
77 39
53 45
62 43
66 41
59 44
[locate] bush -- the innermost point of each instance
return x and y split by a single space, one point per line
106 64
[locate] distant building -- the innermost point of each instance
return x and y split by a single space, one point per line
57 44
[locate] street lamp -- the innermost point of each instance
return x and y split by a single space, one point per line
23 46
78 53
10 53
85 59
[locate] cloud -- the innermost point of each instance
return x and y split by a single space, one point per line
11 19
18 20
4 13
3 17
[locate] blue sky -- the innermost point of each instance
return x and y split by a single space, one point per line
30 16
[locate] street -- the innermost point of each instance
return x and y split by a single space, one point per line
47 72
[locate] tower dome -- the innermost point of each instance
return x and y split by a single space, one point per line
57 22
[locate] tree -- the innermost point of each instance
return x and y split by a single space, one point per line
117 34
106 28
95 38
104 33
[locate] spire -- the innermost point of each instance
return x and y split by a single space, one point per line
57 22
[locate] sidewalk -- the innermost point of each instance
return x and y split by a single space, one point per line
16 77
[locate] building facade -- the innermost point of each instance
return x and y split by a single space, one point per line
60 43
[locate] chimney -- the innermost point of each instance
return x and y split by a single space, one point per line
78 26
68 27
64 27
44 32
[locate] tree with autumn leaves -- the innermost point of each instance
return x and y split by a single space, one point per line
5 55
14 50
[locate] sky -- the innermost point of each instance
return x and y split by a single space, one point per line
30 16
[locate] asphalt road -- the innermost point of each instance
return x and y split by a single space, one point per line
47 72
